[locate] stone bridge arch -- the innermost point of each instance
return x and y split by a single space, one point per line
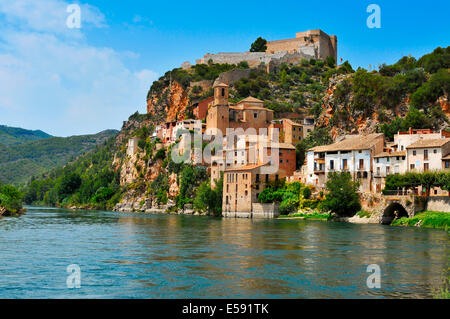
399 206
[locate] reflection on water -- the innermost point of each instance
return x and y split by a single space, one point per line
160 256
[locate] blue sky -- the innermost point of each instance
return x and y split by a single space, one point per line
69 81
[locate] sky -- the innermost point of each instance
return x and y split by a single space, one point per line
69 81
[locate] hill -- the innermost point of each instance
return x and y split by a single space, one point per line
15 135
19 162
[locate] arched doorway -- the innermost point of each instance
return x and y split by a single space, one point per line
392 212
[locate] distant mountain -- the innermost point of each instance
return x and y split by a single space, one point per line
19 162
16 135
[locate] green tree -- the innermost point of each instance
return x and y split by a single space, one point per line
342 194
10 198
260 45
208 199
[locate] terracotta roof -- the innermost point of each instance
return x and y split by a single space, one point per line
392 154
358 142
245 168
221 84
250 99
291 122
282 146
438 142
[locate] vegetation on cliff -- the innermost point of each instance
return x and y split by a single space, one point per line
409 84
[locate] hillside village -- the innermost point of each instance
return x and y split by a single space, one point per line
243 162
233 118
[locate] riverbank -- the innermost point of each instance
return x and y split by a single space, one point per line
311 216
428 219
4 212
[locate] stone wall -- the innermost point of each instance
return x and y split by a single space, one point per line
265 210
439 204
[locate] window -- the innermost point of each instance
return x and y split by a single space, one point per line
223 92
257 178
331 165
361 164
267 178
414 153
447 164
412 166
255 115
276 177
377 160
426 166
425 155
378 171
388 169
435 151
344 164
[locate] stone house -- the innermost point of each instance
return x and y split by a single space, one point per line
353 154
200 109
387 163
289 131
425 155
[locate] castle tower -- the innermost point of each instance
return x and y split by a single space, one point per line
218 113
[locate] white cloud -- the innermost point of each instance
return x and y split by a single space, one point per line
60 83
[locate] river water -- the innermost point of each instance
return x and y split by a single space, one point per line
160 256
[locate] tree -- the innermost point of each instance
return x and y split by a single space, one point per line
342 197
260 45
68 185
208 199
10 198
428 180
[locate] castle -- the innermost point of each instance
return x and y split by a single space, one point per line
312 44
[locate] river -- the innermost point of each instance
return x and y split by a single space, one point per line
161 256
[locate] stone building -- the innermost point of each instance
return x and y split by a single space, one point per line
290 131
309 42
387 163
248 113
312 44
200 109
353 154
425 155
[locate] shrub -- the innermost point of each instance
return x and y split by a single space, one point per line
307 193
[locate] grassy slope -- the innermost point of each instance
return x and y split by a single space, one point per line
19 162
